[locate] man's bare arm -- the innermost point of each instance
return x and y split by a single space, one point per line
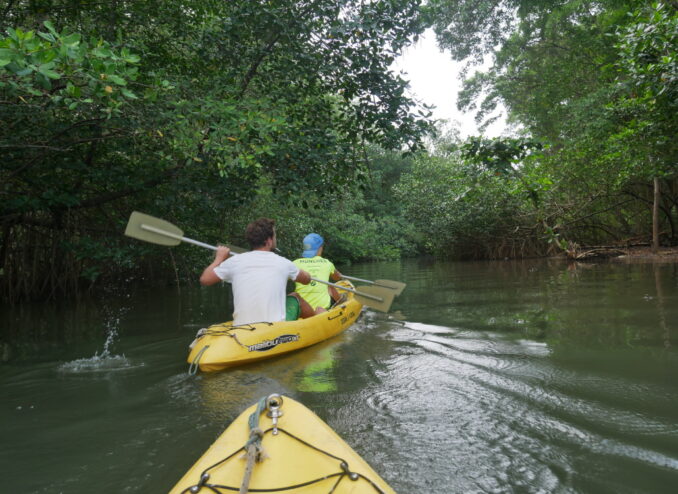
303 277
208 276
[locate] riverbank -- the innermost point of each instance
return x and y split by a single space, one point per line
623 254
664 254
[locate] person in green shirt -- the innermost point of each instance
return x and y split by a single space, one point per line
315 297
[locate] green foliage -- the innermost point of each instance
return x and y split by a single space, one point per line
459 209
472 29
180 108
498 155
595 83
350 233
648 78
212 113
647 53
58 70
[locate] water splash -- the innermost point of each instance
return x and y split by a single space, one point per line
106 361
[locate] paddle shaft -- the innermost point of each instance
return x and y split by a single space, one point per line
396 286
352 278
153 229
212 247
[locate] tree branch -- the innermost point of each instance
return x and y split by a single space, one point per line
268 48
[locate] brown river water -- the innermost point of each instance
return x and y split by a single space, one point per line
498 377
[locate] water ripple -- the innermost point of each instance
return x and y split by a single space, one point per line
507 406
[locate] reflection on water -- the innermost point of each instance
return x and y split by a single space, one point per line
486 377
505 415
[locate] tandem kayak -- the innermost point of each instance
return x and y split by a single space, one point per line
279 445
224 345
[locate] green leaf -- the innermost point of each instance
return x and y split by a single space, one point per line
102 52
47 72
44 82
48 36
115 79
72 40
50 27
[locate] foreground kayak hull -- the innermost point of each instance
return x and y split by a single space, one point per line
304 457
223 345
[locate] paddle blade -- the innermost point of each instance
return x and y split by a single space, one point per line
237 250
385 294
163 232
396 286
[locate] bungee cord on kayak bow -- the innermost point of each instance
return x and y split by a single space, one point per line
211 331
195 364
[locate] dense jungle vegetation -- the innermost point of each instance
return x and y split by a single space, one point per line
210 113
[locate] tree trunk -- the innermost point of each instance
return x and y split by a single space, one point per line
655 216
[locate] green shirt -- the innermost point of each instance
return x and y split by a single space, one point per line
316 294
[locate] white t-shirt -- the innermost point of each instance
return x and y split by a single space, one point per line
259 279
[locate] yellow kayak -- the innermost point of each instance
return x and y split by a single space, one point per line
223 345
279 445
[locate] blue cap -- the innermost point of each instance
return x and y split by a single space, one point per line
312 242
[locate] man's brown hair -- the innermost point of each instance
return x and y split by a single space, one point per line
259 231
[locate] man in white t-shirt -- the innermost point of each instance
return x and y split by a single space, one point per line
259 277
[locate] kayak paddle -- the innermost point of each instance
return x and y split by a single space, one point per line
396 286
156 231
